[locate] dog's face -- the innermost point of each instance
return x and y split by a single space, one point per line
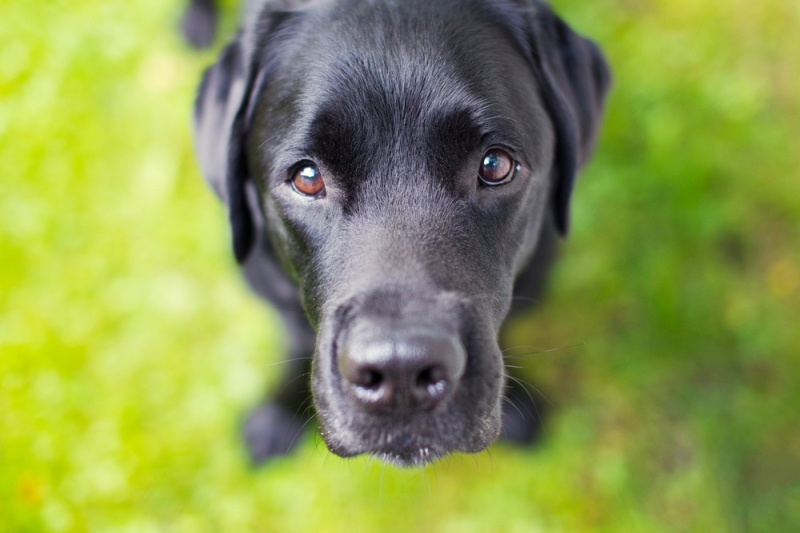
401 160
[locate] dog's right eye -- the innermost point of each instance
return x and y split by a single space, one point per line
497 168
307 180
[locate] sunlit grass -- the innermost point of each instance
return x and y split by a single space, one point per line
130 348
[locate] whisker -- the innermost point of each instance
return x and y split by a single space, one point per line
268 140
539 418
305 410
366 468
522 357
512 404
523 383
435 473
286 361
325 461
301 430
293 379
521 346
509 376
529 411
380 485
317 440
518 355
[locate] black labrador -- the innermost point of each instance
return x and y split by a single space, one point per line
396 172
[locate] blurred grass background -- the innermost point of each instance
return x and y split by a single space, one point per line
130 347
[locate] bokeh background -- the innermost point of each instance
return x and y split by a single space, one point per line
130 347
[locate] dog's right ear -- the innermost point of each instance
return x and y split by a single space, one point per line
219 124
574 79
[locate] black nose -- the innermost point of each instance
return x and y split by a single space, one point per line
401 371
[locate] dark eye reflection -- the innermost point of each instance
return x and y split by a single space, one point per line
497 167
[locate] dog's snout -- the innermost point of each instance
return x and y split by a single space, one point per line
401 372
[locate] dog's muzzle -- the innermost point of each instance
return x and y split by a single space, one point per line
397 378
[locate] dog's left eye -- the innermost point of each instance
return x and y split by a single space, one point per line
307 180
497 167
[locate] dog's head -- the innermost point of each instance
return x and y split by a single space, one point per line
400 159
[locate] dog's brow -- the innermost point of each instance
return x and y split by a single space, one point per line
335 139
458 132
452 137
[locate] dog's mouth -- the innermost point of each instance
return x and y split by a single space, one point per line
413 444
408 445
411 456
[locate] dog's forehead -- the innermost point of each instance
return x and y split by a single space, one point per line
397 57
384 81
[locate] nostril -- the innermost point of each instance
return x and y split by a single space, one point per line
370 379
370 386
432 379
399 371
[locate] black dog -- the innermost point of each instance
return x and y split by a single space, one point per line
395 173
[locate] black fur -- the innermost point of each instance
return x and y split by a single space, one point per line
396 103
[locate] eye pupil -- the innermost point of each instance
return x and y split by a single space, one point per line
497 168
308 181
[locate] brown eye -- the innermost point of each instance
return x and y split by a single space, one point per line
497 168
308 181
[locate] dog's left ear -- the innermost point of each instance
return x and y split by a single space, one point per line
219 124
575 79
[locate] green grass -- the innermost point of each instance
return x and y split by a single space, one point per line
129 346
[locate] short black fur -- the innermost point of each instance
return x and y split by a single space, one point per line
397 280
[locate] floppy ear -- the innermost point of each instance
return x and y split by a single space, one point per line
575 79
219 123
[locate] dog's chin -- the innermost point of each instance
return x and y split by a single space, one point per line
409 447
411 458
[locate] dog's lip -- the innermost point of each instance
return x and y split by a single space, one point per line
411 457
405 450
402 446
